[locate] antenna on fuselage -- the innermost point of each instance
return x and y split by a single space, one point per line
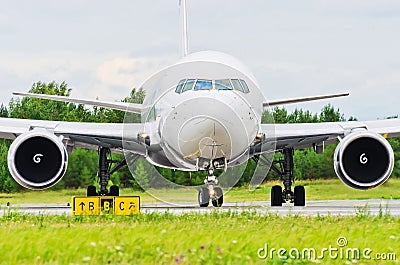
183 20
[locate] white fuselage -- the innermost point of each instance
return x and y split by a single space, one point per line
208 105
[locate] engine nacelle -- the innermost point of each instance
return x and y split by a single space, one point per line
37 159
363 160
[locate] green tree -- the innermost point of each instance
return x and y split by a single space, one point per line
39 109
141 180
115 116
82 168
7 183
329 114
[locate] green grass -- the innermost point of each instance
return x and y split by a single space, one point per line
315 190
215 238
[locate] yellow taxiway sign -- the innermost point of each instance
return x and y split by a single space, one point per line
86 205
126 205
95 205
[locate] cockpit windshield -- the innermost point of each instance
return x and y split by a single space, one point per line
188 85
180 86
203 85
244 85
236 84
223 84
206 84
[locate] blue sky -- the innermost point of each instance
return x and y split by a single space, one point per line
295 48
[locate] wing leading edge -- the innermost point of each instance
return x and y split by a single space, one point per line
303 99
123 106
116 136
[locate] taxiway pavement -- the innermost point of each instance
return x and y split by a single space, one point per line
312 208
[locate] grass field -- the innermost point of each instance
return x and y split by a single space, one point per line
215 238
315 190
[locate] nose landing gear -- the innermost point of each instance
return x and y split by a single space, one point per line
210 192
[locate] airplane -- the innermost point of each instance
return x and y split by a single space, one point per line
200 114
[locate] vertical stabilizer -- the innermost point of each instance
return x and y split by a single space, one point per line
183 21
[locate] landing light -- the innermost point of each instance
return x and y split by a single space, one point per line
260 136
143 135
144 138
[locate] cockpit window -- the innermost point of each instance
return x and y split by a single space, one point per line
245 87
203 85
180 86
188 85
219 84
151 116
236 85
223 84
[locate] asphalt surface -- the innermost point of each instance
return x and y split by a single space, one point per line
312 208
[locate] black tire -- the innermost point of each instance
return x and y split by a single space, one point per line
91 191
299 196
219 197
204 197
114 190
276 196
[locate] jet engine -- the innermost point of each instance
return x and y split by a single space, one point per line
37 159
363 160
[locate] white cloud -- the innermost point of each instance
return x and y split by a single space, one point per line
295 48
19 71
118 75
288 67
54 66
386 8
105 78
125 72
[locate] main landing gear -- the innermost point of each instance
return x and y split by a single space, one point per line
210 192
104 173
285 170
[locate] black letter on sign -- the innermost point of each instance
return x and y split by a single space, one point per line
91 206
121 206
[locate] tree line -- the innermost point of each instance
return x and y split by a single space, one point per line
82 169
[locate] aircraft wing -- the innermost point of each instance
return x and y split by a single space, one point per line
80 134
302 135
123 106
299 100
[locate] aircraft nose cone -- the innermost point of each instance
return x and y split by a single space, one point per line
209 127
204 137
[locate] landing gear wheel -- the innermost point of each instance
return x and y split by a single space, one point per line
276 196
91 191
114 190
204 197
218 200
299 196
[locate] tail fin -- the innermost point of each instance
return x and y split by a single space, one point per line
183 21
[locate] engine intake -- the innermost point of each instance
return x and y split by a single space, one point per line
363 160
37 159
